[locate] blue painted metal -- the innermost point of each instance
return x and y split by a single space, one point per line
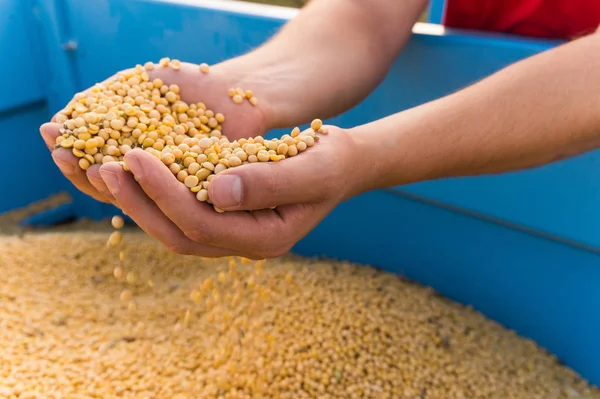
61 49
21 84
22 110
18 190
51 217
52 35
484 241
436 11
130 33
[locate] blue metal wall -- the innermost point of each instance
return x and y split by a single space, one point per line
28 172
436 11
521 247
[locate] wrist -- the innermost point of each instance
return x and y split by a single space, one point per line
367 159
364 163
390 152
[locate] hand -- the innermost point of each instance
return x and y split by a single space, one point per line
304 188
243 120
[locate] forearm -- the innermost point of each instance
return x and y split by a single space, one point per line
327 59
531 113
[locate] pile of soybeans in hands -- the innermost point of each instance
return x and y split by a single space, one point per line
83 317
130 110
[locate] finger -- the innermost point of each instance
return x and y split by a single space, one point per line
240 231
93 176
49 132
67 163
264 185
144 212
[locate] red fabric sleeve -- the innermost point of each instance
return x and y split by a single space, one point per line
554 19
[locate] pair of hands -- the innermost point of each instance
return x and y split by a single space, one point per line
304 188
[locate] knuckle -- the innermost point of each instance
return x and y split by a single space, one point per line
179 247
157 196
146 183
198 234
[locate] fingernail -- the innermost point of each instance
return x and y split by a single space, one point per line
227 191
111 181
66 167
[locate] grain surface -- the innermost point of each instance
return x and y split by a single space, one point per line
80 320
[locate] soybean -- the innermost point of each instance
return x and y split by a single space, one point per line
290 327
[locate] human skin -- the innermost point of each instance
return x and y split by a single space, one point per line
536 111
364 34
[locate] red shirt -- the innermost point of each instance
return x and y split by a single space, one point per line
553 19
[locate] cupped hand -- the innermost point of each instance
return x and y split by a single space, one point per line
242 120
305 188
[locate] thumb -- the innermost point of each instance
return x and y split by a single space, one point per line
265 185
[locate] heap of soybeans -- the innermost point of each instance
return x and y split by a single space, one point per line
130 110
83 319
234 328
